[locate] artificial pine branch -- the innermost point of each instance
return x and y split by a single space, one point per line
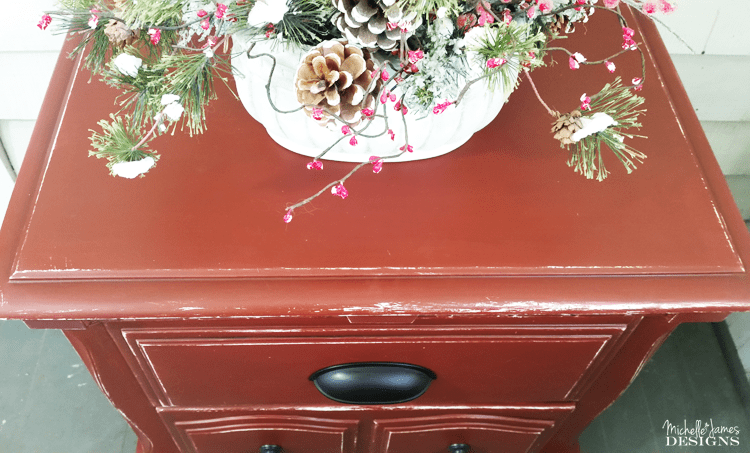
240 10
517 45
308 22
76 21
141 95
119 141
78 4
621 104
99 46
191 76
145 13
99 50
424 7
169 38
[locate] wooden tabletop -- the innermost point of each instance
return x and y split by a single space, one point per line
499 225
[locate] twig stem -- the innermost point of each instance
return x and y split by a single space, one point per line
539 97
337 182
157 121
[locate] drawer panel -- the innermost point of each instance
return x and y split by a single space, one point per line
482 434
366 429
243 434
224 367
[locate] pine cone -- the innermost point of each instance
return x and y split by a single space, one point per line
374 23
561 24
337 77
566 125
118 33
557 25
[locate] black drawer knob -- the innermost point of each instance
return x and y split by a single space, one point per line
373 382
459 448
271 449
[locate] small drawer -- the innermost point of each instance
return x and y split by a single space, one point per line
473 365
247 433
400 429
466 432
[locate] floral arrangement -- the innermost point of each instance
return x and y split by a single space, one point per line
365 59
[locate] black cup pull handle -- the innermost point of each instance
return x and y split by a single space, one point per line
459 448
272 449
373 382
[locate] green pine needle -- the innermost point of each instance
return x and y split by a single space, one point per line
621 104
117 141
516 44
77 4
423 7
191 76
308 22
146 13
99 50
96 42
75 22
149 51
141 95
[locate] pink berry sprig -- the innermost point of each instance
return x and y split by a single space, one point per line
337 187
44 21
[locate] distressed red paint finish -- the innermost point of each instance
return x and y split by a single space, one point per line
534 295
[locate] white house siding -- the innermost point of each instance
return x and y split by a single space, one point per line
27 59
716 78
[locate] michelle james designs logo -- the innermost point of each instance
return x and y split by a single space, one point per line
701 434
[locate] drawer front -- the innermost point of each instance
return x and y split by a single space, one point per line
480 433
223 367
399 429
245 434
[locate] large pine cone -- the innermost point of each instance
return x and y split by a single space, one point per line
337 77
374 23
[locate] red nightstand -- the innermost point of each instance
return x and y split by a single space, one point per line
532 295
